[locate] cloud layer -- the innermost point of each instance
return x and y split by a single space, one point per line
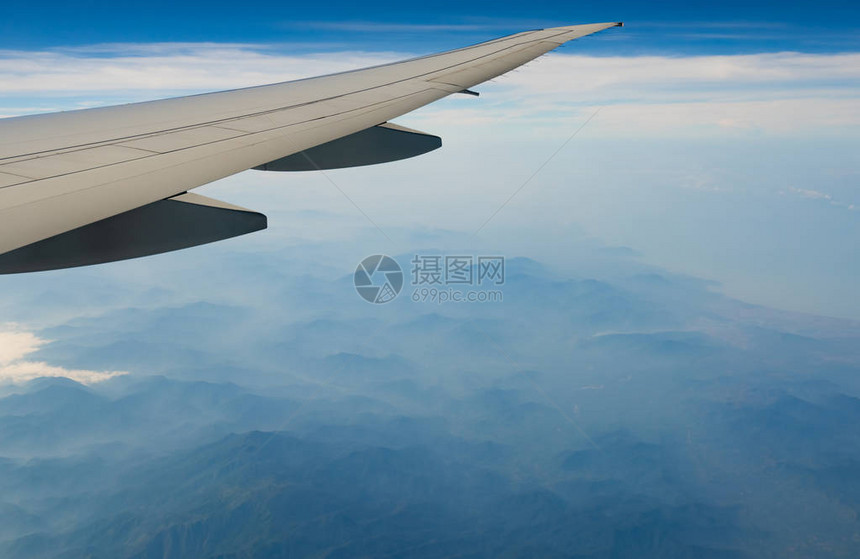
16 345
777 93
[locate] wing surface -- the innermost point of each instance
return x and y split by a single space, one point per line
63 171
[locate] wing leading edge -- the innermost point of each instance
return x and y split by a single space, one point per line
63 171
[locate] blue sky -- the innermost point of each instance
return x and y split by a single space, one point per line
728 26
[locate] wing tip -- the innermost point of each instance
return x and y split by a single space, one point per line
586 29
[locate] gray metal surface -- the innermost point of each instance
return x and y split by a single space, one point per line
181 222
377 144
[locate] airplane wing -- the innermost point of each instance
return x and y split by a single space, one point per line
105 184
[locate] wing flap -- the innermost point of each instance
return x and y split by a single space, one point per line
180 222
378 144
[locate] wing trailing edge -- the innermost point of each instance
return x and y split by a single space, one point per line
183 221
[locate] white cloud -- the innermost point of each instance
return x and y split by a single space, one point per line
380 27
141 68
679 76
818 195
774 93
16 345
782 94
807 193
